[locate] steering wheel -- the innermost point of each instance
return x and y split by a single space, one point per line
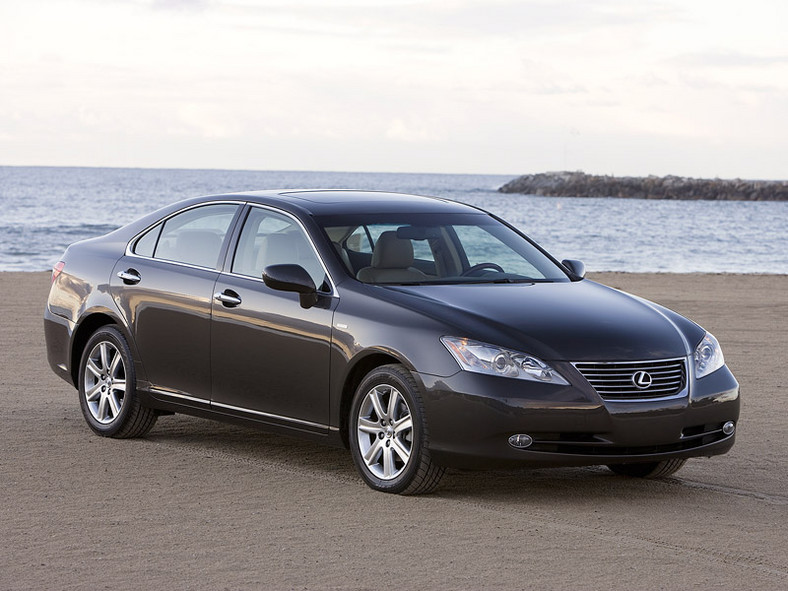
476 268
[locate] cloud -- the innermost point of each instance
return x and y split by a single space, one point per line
460 19
401 131
180 4
378 84
726 59
207 121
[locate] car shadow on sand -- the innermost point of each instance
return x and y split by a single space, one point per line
270 450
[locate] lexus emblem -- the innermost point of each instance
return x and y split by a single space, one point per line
641 379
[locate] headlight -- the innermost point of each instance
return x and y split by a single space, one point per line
708 356
489 359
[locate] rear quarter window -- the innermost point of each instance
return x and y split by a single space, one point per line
146 244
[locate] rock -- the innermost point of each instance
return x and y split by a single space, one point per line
579 184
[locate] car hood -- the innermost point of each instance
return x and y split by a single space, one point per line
570 321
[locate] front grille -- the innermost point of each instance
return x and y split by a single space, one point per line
616 380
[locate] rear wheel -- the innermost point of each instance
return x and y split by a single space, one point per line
107 388
649 469
388 434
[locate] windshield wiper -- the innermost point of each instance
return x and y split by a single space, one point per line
511 280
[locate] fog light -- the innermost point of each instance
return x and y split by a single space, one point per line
728 428
520 441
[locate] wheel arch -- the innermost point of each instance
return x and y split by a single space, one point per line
87 326
360 367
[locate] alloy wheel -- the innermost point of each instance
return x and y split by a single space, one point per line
385 432
105 382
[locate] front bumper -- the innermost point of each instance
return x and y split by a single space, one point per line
471 416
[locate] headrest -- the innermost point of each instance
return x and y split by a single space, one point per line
277 249
392 252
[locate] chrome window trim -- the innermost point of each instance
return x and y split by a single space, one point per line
331 293
178 263
130 253
684 392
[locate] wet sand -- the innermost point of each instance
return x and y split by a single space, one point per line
202 505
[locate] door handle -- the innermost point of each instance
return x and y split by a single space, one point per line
228 298
130 276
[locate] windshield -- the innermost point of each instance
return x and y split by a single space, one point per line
436 248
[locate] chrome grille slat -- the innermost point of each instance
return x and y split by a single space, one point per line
630 386
613 380
629 373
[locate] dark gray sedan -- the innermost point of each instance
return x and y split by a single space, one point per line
419 332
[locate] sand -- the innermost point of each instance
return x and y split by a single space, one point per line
201 505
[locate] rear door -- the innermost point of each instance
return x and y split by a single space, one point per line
164 287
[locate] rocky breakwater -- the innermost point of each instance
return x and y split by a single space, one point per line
579 184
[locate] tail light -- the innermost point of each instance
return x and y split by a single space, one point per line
57 269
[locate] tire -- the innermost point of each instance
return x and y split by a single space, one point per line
388 434
107 388
649 469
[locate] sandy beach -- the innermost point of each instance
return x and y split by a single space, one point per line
203 505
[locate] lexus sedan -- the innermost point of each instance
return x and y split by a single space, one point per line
419 332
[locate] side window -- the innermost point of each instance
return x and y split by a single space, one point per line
146 244
358 241
195 236
270 238
422 251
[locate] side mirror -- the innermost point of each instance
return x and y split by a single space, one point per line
576 268
292 278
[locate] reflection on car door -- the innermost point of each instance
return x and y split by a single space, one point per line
270 356
165 293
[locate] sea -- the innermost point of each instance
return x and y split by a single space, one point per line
44 209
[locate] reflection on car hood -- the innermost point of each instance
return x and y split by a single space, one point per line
580 321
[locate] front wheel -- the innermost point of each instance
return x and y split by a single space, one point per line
107 388
649 469
388 434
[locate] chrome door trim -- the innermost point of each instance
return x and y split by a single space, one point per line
250 411
268 415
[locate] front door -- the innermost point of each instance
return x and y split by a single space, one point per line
270 356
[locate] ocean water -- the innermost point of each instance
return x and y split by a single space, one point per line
43 209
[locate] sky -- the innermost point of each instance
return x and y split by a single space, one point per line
687 87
